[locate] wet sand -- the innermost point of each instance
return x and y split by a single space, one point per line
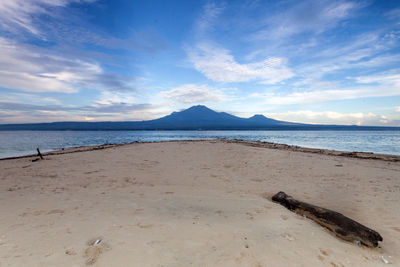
199 203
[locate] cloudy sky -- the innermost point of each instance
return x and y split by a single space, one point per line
303 61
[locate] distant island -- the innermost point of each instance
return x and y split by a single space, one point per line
194 118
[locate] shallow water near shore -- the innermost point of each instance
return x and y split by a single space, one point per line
19 143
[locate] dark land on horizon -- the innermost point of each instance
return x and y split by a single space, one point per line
194 118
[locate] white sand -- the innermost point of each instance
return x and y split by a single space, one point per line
192 203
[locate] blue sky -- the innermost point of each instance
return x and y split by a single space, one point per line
303 61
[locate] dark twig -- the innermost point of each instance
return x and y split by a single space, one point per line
39 154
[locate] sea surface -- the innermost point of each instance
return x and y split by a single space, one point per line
19 143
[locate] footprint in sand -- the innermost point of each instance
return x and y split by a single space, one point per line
284 217
56 211
288 236
96 247
334 264
70 252
144 226
13 188
324 253
249 216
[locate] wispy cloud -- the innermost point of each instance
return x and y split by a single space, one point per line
17 15
305 17
390 78
318 96
192 93
334 117
110 98
118 107
57 22
365 52
18 112
394 14
219 65
148 41
207 19
378 85
19 97
39 70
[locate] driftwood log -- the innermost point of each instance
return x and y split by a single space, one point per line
341 225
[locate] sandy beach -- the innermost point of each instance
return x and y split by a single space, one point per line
194 203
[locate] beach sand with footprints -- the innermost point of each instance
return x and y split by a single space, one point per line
194 203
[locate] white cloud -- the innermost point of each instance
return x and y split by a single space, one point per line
28 98
358 47
7 116
315 96
23 69
205 22
219 65
112 110
19 14
333 117
367 52
398 109
364 51
36 70
391 78
305 17
192 93
313 91
32 83
110 98
394 14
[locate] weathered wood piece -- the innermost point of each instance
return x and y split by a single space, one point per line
39 154
341 225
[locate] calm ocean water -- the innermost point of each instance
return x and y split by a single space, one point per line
18 143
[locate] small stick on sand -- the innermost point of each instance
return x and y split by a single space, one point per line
39 154
341 225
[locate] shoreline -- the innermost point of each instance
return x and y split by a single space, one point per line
261 144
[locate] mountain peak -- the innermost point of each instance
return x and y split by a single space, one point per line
258 116
198 108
